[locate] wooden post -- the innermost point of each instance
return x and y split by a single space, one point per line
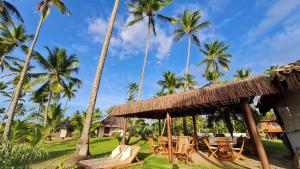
159 128
195 132
124 131
252 128
169 137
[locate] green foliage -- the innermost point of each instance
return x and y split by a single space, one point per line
271 70
242 74
132 89
170 82
20 156
118 136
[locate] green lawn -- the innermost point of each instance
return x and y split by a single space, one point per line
101 147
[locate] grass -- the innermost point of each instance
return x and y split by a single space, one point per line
101 147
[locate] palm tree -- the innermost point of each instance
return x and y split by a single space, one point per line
13 37
189 24
54 120
58 67
271 69
132 89
44 8
190 82
242 74
6 10
213 77
147 10
70 93
170 83
83 143
215 55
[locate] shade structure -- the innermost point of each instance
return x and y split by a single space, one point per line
197 101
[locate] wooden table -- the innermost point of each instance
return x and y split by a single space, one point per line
225 150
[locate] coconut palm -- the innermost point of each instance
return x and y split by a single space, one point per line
271 69
170 83
188 23
147 10
189 82
12 37
215 56
70 93
54 120
83 143
44 8
132 89
242 74
59 67
6 10
213 77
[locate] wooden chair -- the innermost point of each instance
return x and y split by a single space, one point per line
183 148
114 163
155 148
213 150
238 151
162 141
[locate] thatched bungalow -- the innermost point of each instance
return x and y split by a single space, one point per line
110 125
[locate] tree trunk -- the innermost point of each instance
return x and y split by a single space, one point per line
186 83
47 108
82 145
3 57
18 90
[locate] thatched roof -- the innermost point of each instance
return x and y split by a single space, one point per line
197 101
111 121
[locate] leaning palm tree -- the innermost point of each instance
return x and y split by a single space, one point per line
83 143
147 10
215 55
242 74
12 37
44 8
59 67
6 10
188 23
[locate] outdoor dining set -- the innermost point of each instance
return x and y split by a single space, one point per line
222 148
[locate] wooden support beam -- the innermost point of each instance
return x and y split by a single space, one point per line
195 132
124 131
254 132
159 127
169 137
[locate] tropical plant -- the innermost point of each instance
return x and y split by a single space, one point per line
215 55
6 10
83 143
170 82
147 10
12 37
213 77
54 120
271 69
70 93
20 156
132 89
188 23
189 82
44 8
57 77
242 74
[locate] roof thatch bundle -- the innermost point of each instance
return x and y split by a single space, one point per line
197 100
111 121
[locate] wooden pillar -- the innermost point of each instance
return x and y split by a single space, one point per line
253 129
195 132
169 137
124 131
159 128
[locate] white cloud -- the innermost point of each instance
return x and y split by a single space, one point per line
276 13
80 48
127 41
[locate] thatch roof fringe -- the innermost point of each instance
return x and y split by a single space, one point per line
233 90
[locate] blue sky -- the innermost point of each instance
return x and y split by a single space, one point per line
261 33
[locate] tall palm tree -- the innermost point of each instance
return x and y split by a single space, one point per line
147 10
59 67
215 55
13 37
189 82
44 8
6 10
188 23
83 143
242 74
170 83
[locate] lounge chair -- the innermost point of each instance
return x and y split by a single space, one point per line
155 148
212 149
238 152
183 148
118 162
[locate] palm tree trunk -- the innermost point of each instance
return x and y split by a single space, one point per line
47 108
186 83
18 90
82 145
3 57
